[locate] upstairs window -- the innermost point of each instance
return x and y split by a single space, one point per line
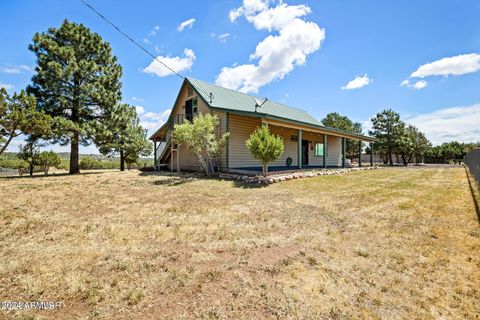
191 109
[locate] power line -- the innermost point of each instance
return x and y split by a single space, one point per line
130 38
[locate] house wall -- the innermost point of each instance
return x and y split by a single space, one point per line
240 157
187 159
240 129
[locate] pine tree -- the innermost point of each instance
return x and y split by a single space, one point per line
19 116
77 82
120 133
388 130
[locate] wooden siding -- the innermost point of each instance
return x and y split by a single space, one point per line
291 147
240 129
240 157
187 159
334 151
221 130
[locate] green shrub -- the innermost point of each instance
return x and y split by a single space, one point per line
48 159
89 163
265 146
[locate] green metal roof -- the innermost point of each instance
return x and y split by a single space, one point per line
238 102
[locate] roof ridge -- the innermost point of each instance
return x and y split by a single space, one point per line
236 91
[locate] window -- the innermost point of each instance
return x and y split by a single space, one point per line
191 109
194 106
318 149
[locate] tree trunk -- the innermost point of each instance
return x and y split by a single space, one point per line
122 161
74 169
265 169
31 169
6 144
390 158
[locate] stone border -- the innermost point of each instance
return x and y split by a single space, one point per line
274 178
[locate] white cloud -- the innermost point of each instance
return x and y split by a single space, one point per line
152 120
140 110
420 84
137 99
16 69
417 85
457 65
6 86
223 37
278 54
449 124
358 82
147 41
186 24
178 64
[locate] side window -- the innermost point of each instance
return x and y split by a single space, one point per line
318 149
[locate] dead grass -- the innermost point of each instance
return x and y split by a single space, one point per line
386 244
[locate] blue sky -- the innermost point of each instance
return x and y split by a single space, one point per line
421 58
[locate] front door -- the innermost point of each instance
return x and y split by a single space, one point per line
305 152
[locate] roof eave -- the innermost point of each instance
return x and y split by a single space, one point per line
269 116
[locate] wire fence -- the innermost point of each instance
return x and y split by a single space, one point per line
7 172
472 161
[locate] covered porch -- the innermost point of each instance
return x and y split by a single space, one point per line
305 148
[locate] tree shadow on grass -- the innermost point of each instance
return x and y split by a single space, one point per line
173 181
179 178
245 185
475 194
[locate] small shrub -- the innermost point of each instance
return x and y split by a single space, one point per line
89 163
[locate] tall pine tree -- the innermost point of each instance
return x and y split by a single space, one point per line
388 130
77 81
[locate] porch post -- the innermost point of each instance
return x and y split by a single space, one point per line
371 154
178 158
227 147
324 150
171 157
344 142
360 153
299 143
155 155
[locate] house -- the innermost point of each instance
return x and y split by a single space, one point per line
308 144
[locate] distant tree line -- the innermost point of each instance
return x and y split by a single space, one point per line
395 139
74 99
450 152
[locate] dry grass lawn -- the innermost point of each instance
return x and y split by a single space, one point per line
381 244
